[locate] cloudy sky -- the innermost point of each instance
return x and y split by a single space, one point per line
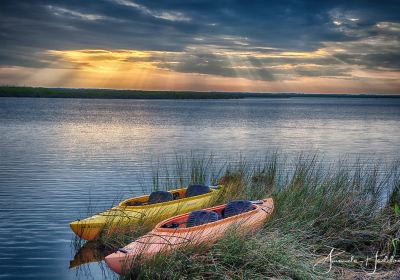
257 46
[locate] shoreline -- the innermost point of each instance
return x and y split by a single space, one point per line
41 92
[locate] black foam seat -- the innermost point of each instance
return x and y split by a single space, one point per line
134 203
201 217
194 190
171 225
237 207
160 196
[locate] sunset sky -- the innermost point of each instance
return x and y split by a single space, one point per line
251 46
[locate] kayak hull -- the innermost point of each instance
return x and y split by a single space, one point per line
164 240
125 217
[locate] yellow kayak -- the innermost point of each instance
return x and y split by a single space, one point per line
147 209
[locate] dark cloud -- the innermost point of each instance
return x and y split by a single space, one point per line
254 68
321 71
220 65
390 61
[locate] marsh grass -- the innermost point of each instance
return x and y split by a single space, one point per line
182 171
351 206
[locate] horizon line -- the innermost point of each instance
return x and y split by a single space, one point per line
205 91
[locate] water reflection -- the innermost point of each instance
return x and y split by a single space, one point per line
88 260
89 252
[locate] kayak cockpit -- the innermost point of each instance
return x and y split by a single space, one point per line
166 196
206 216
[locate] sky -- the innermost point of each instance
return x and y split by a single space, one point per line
245 46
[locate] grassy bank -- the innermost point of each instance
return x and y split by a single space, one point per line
41 92
348 209
118 94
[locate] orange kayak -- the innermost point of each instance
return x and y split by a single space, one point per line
198 227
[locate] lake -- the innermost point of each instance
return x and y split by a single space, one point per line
61 157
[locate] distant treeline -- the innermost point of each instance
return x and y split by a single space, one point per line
13 91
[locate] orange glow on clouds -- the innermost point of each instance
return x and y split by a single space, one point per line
134 69
108 60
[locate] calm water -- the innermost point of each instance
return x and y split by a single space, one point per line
58 156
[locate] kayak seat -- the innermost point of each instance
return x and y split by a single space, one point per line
134 203
237 207
201 217
194 190
160 196
220 215
171 225
176 196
